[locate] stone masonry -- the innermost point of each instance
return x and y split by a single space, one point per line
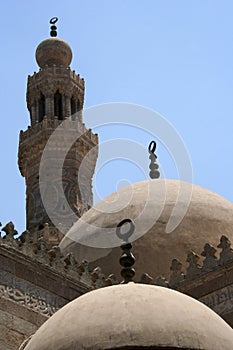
55 97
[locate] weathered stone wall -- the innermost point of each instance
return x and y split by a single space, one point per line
30 292
215 289
75 181
56 128
14 329
35 282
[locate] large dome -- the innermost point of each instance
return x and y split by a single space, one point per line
151 204
133 316
53 51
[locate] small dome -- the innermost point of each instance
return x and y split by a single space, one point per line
133 315
151 205
53 51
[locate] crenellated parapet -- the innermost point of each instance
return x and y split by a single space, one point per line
34 246
36 249
198 266
52 124
47 70
207 277
35 282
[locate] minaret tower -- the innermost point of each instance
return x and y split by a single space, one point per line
55 97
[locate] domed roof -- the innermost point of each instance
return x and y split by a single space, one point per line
53 51
133 315
151 204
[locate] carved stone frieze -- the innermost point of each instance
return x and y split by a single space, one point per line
28 295
221 301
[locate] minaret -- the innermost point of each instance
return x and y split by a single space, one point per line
55 97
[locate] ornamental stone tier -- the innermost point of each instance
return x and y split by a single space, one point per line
55 98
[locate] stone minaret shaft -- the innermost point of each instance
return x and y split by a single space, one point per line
55 95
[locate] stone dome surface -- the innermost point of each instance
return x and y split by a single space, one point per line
151 204
53 51
133 315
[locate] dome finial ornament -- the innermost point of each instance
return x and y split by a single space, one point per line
154 173
53 28
127 259
53 51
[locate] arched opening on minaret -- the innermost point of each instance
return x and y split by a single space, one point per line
73 106
58 105
41 107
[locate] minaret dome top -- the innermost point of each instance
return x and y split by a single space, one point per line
53 51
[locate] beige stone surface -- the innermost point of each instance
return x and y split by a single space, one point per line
17 324
53 51
54 142
30 291
133 315
13 330
151 204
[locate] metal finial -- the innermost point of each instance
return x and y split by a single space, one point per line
127 259
154 173
53 28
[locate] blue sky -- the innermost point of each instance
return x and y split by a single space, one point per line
174 57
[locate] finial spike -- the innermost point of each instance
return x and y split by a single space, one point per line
53 28
154 172
127 259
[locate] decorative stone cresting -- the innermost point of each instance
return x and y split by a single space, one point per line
37 249
195 268
177 275
28 244
210 260
226 254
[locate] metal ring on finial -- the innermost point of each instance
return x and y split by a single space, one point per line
152 147
125 236
53 20
154 172
53 28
